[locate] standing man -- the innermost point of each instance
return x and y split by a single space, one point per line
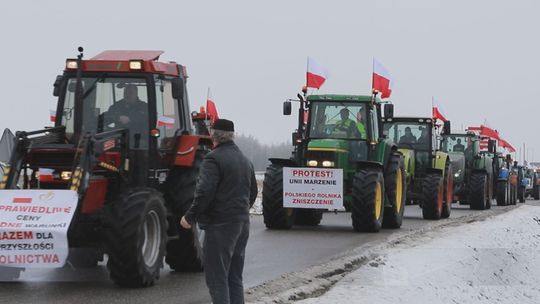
226 189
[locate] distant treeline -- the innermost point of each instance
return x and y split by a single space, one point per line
259 153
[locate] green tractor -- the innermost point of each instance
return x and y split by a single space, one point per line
473 170
429 171
373 174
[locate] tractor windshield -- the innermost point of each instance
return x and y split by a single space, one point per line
338 120
109 104
412 135
456 143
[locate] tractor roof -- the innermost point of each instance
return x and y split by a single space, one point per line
342 98
425 120
127 61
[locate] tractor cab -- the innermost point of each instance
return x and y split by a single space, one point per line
416 136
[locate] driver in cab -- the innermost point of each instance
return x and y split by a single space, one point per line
408 138
129 112
345 124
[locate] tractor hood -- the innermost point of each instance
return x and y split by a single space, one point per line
330 145
457 159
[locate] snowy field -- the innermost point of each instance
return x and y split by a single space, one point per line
491 261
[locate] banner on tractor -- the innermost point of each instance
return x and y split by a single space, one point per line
316 188
34 226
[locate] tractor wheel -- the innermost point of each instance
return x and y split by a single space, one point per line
502 193
479 191
396 188
536 192
513 194
308 217
8 274
184 254
275 216
367 206
448 184
521 194
433 196
84 257
136 238
489 197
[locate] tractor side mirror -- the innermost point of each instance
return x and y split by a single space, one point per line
388 110
492 146
509 157
178 88
287 108
56 85
447 127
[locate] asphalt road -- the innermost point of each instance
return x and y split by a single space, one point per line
269 255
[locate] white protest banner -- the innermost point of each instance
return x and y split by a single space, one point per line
33 227
317 188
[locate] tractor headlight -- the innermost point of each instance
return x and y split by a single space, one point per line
136 64
312 163
65 175
327 163
71 64
457 174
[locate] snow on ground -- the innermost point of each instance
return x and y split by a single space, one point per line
257 206
491 261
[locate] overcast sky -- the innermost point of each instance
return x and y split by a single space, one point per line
480 59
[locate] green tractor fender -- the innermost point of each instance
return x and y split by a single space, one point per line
440 161
409 161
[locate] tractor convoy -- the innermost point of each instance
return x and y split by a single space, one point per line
127 146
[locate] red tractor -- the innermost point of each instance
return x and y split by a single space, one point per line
134 177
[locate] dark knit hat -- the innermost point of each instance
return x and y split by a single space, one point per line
224 125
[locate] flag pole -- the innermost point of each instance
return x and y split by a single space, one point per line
206 112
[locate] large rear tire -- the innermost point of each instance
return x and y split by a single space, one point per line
308 217
184 254
479 192
396 189
367 206
275 216
433 196
448 184
136 237
502 193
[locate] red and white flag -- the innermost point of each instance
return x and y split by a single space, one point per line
165 121
52 115
436 109
506 145
211 109
316 74
382 80
489 132
45 174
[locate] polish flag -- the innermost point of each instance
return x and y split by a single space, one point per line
45 174
504 144
165 121
489 132
211 108
316 74
52 115
437 110
382 79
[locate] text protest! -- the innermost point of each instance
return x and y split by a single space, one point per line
317 188
34 226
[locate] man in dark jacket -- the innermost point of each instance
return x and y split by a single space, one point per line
226 189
